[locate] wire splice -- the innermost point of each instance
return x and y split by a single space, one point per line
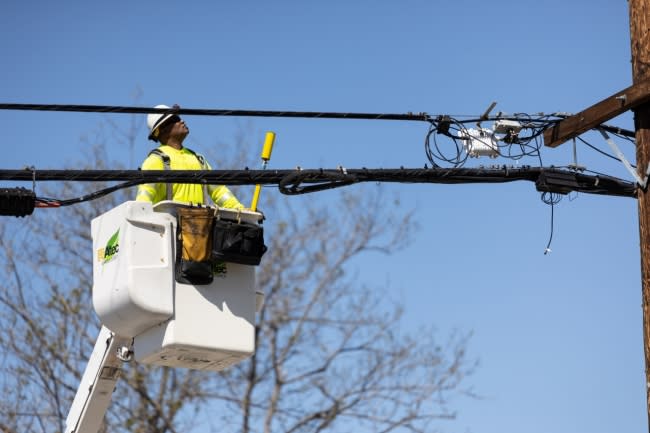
18 202
561 182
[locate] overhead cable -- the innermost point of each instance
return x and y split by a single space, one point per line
410 116
214 112
298 181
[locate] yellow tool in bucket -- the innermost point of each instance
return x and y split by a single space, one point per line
266 156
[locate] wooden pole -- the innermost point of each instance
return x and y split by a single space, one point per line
640 43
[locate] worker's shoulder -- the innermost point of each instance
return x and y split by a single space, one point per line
155 160
163 153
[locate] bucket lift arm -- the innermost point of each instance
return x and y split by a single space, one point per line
98 382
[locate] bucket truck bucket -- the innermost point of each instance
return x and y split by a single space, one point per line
136 295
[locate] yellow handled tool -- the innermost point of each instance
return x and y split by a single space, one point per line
266 156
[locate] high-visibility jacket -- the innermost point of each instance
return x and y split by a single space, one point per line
168 158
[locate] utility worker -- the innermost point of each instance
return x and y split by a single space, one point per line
170 130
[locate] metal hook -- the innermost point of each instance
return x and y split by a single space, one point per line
33 170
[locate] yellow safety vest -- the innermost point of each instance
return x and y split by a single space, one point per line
168 158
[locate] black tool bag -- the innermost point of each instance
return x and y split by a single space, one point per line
193 246
237 242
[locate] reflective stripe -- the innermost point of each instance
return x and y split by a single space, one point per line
146 192
223 197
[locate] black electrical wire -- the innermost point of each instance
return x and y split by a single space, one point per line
214 112
438 125
609 128
50 202
539 123
602 152
513 145
550 237
292 182
434 154
421 116
625 137
551 199
319 180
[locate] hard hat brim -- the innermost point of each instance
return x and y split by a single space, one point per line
158 124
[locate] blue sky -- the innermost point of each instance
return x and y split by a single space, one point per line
558 336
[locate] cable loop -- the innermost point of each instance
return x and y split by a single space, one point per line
290 184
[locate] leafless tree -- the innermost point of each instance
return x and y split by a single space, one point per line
331 355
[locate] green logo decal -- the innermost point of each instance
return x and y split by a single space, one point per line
109 252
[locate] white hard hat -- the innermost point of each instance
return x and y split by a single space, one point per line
154 120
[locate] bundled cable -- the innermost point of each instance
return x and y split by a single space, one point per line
21 202
319 180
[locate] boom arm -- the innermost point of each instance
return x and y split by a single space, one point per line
98 382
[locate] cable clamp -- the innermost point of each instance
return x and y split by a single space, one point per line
33 170
642 182
342 169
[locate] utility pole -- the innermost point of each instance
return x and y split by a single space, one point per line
640 45
637 99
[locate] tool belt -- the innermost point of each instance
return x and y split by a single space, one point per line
237 242
204 239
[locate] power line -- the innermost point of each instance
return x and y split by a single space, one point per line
494 174
297 181
549 119
515 146
215 112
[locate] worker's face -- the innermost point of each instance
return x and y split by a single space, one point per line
175 127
